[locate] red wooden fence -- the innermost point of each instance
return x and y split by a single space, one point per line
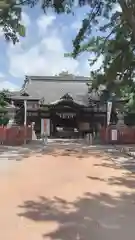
15 135
125 135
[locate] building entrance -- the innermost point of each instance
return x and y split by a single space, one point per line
64 125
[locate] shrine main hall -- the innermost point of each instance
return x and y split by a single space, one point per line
64 101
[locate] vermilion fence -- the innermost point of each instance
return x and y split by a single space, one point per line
15 135
125 135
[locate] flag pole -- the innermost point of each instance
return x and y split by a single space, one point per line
25 120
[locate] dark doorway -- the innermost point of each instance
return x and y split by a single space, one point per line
64 125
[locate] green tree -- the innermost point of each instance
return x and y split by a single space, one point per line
117 28
116 47
3 104
3 98
129 94
10 17
10 14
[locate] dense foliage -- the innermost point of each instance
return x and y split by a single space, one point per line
113 23
3 98
10 14
114 42
118 41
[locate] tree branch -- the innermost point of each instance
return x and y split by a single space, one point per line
128 16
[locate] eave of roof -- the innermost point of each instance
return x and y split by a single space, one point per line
68 78
63 101
24 98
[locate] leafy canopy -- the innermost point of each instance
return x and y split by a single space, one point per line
113 41
10 14
3 98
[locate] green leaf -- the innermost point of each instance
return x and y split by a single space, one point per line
68 54
21 30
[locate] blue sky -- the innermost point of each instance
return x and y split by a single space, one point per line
41 52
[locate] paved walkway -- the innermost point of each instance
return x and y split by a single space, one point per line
67 194
122 155
8 155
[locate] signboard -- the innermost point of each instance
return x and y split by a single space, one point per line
45 126
66 115
114 135
109 109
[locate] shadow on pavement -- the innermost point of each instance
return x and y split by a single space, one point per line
127 180
74 149
95 217
100 216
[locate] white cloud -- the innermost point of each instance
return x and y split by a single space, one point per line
43 22
25 19
46 57
4 84
76 25
97 64
2 75
117 7
8 85
48 43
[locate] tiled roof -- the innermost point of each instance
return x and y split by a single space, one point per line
53 88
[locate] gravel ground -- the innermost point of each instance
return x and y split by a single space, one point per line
65 193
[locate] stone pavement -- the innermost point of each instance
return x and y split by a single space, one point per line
51 197
121 155
127 149
18 152
9 155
